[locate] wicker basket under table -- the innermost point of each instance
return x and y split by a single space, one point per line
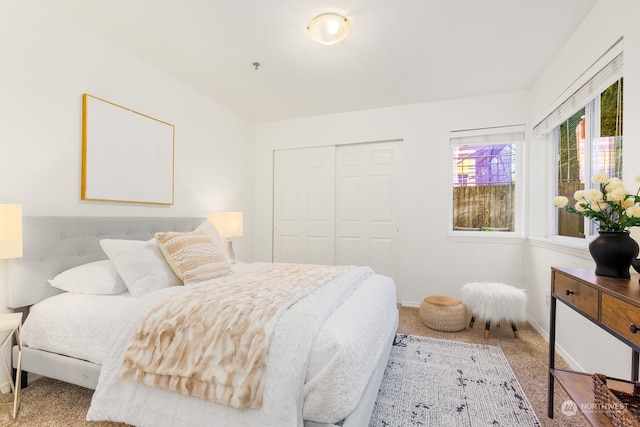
622 408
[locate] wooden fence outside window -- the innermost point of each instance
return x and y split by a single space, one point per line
486 206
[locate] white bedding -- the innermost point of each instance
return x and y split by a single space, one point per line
353 337
83 326
76 325
141 405
331 390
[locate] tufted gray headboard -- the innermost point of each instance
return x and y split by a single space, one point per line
54 244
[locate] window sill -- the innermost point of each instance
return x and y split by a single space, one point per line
578 249
486 237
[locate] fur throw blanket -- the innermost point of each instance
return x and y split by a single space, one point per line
212 341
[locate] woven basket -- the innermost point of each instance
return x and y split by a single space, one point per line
443 313
622 408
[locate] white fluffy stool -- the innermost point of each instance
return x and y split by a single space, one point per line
494 302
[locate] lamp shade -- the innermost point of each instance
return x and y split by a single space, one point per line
228 224
10 231
328 28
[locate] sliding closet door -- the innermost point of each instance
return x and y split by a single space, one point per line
368 205
338 205
304 194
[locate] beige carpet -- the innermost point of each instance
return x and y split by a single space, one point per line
52 403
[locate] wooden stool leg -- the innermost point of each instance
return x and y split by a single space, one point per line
515 330
473 319
487 326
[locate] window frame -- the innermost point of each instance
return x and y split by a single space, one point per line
482 136
592 132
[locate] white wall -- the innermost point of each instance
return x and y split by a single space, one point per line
587 346
48 62
430 262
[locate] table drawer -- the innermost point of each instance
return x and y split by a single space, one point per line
576 293
622 317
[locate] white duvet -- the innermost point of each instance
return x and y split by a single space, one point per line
345 353
355 332
76 325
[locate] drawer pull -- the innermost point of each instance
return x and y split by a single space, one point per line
568 292
633 328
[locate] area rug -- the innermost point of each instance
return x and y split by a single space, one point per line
440 383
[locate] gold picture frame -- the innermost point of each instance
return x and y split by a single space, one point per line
126 156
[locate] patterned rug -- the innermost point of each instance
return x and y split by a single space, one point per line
440 383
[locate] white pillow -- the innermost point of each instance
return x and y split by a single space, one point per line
140 264
94 278
213 234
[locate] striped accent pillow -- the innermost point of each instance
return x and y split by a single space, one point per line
193 256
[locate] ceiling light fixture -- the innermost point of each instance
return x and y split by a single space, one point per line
328 28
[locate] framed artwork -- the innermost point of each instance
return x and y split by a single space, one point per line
126 156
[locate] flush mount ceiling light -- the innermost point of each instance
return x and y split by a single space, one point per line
328 28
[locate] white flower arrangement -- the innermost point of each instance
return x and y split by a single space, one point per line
610 205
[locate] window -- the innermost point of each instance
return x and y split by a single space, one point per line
585 124
484 178
589 141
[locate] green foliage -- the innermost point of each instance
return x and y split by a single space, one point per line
611 110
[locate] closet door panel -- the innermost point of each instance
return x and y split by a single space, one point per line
304 205
367 205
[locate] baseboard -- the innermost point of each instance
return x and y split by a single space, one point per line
411 304
535 325
5 387
566 356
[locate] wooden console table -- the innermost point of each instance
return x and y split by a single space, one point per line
612 304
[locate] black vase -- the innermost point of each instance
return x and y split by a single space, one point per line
612 252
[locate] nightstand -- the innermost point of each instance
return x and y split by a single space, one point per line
10 324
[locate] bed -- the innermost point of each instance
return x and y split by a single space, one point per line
322 392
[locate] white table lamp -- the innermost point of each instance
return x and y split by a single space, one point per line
11 247
10 231
229 225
